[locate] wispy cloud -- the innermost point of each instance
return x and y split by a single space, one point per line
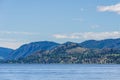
7 40
95 26
82 9
19 33
89 35
10 44
111 8
78 20
12 39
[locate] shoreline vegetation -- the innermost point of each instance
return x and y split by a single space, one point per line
76 58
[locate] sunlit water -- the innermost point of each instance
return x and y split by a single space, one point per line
59 72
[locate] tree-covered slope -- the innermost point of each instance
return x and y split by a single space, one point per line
73 53
107 43
91 51
27 49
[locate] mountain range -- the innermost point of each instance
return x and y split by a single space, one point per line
90 51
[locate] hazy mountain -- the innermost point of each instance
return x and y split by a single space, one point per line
30 48
91 51
107 43
73 53
55 54
4 52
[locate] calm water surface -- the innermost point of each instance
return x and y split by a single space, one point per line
59 72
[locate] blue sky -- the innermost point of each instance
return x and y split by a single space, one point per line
24 21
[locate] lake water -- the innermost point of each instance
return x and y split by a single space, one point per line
59 72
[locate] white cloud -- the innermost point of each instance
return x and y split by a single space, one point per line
19 33
112 8
60 36
89 35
